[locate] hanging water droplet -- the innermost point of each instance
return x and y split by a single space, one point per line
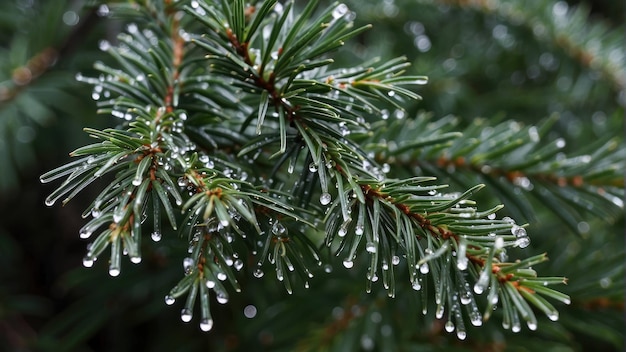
395 260
340 11
135 259
532 325
522 242
482 283
84 233
416 285
113 271
169 300
188 263
466 297
491 216
258 273
462 262
312 167
325 198
328 268
156 236
206 324
358 229
88 261
449 326
461 334
221 276
439 311
238 264
348 263
475 318
554 316
185 315
370 247
424 269
516 327
221 298
49 201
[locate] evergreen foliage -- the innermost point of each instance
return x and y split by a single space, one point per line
282 138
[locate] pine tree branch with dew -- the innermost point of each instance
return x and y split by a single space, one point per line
235 130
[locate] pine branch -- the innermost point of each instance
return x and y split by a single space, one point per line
186 153
508 155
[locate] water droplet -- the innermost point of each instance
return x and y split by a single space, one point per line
206 324
185 315
156 236
358 230
461 334
516 327
249 311
135 259
221 276
114 271
328 268
518 231
449 326
475 318
221 298
462 263
424 269
238 264
348 263
532 325
188 263
258 273
84 233
370 247
88 261
340 11
169 300
439 312
325 198
522 242
554 316
312 167
466 297
395 260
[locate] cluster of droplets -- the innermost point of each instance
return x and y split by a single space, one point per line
521 236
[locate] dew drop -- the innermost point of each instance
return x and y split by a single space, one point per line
84 233
325 198
370 247
258 273
531 325
187 263
169 300
348 263
395 260
114 271
554 316
238 264
416 285
249 311
328 268
312 167
340 11
358 230
88 261
522 242
461 334
449 326
424 269
476 318
466 297
156 236
206 324
135 259
185 315
221 298
221 276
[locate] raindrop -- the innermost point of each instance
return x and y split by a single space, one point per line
416 285
325 198
185 315
340 11
114 271
449 326
312 167
461 334
135 259
358 230
532 325
370 247
221 298
424 269
348 263
156 236
476 318
328 268
238 264
258 273
395 260
169 300
88 261
206 324
187 263
522 242
249 311
84 233
554 316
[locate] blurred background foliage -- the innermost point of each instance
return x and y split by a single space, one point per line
492 59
